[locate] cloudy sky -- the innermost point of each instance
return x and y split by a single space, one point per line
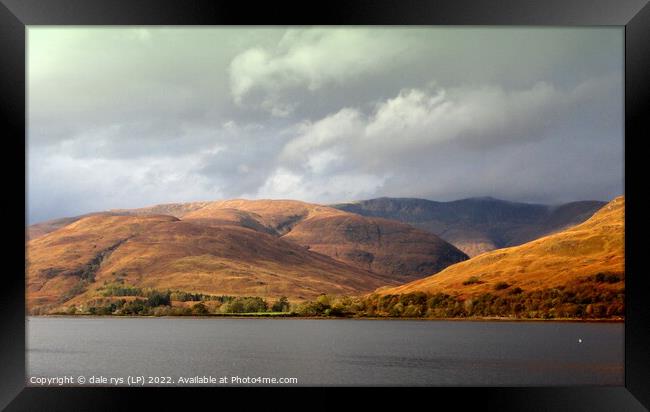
129 117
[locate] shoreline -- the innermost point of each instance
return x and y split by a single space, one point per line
285 317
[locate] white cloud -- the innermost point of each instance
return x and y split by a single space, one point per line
119 118
346 124
478 118
286 184
309 59
71 185
416 133
323 161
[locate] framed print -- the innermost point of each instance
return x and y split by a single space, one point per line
430 196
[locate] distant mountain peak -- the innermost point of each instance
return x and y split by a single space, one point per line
478 224
267 248
595 246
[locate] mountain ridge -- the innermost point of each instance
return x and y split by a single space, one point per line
593 247
235 247
480 224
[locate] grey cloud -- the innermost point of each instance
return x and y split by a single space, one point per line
408 142
311 59
247 156
127 117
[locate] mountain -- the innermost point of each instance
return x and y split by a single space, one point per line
386 247
71 264
172 209
43 228
267 248
593 248
478 225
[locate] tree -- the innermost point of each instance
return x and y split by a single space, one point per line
281 305
156 298
396 310
199 309
413 311
323 300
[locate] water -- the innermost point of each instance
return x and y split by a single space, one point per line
328 352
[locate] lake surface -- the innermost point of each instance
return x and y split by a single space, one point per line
326 352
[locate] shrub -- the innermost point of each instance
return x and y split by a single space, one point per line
396 310
199 309
336 310
323 300
136 307
244 305
415 298
310 309
472 281
281 305
255 304
413 311
387 302
439 299
501 286
156 298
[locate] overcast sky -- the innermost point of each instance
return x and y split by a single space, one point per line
129 117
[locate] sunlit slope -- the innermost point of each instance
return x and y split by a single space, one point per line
43 228
266 248
478 225
595 246
170 209
379 245
163 252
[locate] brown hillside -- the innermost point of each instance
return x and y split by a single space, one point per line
43 228
379 245
595 246
265 248
178 210
67 266
277 215
382 246
171 209
478 225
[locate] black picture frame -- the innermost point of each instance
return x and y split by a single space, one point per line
15 15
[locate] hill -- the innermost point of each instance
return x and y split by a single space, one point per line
43 228
72 265
478 225
591 250
267 248
386 247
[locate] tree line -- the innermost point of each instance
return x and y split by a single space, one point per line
597 296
